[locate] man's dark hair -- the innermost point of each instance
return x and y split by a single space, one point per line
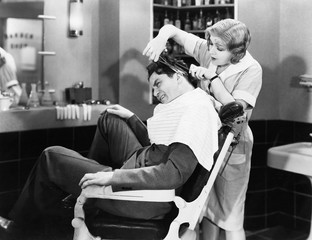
169 65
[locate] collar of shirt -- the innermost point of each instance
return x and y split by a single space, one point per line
242 65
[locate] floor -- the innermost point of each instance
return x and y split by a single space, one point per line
276 233
66 233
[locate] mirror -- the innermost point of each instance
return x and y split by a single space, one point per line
21 34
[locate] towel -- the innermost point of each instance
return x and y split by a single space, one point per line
190 119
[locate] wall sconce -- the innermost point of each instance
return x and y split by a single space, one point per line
75 18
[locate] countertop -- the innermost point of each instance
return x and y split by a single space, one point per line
15 120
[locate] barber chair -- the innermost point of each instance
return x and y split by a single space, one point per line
180 223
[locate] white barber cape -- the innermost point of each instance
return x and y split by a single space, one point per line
190 119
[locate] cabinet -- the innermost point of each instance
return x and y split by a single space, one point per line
193 16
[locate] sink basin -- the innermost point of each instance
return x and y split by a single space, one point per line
295 157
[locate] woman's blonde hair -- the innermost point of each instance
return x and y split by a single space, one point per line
235 35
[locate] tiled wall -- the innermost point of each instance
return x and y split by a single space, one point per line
277 197
19 152
274 197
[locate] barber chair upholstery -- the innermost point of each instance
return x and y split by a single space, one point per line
182 220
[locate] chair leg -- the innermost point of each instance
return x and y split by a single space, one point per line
81 230
189 235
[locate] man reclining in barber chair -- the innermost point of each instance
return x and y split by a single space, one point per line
182 133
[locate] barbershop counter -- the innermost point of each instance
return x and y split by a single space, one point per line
16 120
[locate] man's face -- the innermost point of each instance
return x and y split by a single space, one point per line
165 88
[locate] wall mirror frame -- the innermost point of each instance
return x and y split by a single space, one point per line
27 12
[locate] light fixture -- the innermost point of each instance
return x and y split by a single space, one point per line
75 18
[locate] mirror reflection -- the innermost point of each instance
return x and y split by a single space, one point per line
21 37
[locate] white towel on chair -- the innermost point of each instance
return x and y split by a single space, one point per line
190 119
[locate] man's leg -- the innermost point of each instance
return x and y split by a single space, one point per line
235 235
59 170
57 173
114 142
210 231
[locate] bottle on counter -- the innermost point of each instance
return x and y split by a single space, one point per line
187 23
195 22
166 18
24 96
227 13
33 100
217 17
171 19
177 22
198 2
46 99
157 23
201 20
209 21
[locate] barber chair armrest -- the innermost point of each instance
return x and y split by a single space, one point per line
106 192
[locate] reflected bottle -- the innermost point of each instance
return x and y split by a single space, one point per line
23 101
33 100
46 99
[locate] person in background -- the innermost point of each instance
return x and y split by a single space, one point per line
229 73
124 154
8 80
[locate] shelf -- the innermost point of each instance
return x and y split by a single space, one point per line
185 8
46 17
190 31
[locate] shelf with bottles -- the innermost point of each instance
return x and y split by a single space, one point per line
193 16
191 7
191 3
193 19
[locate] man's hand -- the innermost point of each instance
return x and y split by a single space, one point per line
99 178
120 111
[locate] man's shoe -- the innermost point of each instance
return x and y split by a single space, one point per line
9 230
6 224
6 229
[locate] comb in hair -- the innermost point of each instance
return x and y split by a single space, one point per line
178 68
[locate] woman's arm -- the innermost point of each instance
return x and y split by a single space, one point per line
155 47
222 94
211 82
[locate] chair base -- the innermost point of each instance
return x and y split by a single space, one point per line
114 227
